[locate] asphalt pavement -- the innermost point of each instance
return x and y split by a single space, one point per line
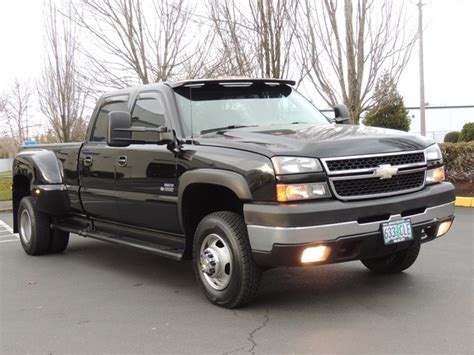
101 298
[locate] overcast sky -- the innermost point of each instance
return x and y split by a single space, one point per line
448 44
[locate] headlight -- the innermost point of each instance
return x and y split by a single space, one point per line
433 153
295 165
295 192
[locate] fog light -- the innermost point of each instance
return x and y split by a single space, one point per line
315 254
443 228
36 192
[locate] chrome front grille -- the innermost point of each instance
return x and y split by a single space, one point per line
342 164
372 176
373 187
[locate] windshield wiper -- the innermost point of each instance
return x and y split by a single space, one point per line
224 128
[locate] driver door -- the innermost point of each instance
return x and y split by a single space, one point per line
146 173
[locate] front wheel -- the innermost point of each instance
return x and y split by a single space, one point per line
223 262
393 263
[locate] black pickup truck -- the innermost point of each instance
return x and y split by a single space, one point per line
238 175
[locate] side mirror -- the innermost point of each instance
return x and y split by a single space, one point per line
119 134
341 114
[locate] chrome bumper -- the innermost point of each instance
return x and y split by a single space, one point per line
262 238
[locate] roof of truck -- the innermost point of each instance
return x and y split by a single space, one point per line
226 81
229 81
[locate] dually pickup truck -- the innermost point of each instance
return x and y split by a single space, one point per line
240 176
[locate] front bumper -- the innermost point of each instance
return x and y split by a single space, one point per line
279 233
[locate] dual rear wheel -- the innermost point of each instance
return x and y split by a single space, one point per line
36 236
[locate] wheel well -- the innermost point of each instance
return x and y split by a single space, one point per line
20 189
199 200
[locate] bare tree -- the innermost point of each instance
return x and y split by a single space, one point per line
15 105
3 103
62 91
344 50
143 42
256 38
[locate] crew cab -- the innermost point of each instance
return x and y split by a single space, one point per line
238 175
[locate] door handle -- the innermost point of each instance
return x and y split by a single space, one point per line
87 160
122 160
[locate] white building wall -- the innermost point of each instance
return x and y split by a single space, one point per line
441 120
6 165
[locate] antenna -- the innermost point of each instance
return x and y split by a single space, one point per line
191 112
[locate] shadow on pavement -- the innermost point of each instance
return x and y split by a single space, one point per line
328 285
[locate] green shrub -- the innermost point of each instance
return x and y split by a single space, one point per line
451 137
467 132
459 160
389 110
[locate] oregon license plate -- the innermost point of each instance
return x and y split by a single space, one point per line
397 231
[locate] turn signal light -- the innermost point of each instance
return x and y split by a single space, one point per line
435 175
315 254
443 228
294 192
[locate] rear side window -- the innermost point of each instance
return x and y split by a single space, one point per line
99 132
148 111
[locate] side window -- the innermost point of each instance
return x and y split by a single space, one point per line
99 132
148 111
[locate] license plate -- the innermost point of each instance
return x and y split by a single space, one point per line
397 231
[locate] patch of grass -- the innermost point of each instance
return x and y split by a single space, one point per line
5 186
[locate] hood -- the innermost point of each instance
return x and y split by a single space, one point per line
321 141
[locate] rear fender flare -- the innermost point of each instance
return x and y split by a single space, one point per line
40 166
44 173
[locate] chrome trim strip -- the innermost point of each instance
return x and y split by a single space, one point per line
262 238
368 176
353 171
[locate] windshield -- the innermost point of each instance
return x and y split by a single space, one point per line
216 106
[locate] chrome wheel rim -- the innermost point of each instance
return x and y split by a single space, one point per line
25 227
216 262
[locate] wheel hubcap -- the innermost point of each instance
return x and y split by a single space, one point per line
25 226
215 262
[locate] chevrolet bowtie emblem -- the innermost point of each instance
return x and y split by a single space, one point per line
385 171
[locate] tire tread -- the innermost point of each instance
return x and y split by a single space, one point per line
40 226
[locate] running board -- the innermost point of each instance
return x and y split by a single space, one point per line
168 252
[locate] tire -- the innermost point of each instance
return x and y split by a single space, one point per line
394 263
58 242
223 262
36 237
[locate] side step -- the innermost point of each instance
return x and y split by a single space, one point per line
161 250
